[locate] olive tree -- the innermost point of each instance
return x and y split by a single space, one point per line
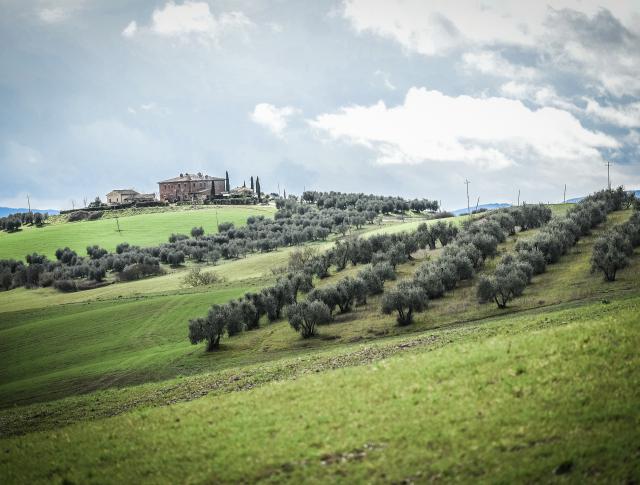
209 328
406 298
197 232
508 282
610 254
305 316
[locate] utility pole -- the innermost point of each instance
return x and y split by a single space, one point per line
477 204
118 225
468 207
608 177
217 221
29 203
518 197
564 197
73 204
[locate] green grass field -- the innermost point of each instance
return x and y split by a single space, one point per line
141 230
103 385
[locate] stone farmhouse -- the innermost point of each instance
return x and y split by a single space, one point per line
192 187
127 196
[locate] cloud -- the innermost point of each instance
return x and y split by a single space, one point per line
195 19
131 29
599 48
494 64
588 38
273 118
52 15
626 116
487 133
542 95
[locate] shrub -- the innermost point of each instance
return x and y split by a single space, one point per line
97 273
225 226
175 258
95 215
122 248
196 277
405 299
197 232
78 216
65 285
96 252
177 237
300 258
305 316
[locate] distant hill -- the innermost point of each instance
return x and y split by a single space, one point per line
575 200
481 206
6 211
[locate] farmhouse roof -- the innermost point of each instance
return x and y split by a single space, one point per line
190 177
123 191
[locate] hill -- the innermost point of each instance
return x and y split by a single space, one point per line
468 392
492 206
7 211
140 229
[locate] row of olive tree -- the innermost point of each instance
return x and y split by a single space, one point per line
246 313
13 222
530 257
376 204
464 253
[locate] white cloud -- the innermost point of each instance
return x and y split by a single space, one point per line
542 95
52 15
195 18
487 133
131 29
492 63
273 118
626 116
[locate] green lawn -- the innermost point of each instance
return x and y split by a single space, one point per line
142 230
536 398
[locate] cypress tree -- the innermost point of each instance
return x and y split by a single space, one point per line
258 189
252 183
227 182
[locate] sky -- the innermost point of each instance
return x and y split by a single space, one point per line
393 97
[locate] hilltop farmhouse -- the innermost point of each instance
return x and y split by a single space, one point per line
192 187
127 196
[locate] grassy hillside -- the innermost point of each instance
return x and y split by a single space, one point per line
103 385
142 338
527 399
142 230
